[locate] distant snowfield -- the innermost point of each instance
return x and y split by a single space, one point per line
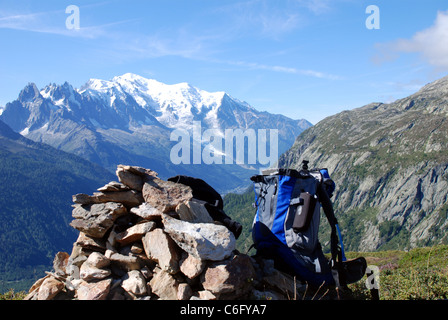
175 104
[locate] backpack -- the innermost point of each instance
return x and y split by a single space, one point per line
211 200
286 226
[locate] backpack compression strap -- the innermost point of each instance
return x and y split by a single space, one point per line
336 252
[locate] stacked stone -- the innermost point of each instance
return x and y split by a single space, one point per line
145 238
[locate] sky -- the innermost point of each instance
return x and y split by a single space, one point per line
306 59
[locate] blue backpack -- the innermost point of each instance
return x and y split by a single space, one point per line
286 227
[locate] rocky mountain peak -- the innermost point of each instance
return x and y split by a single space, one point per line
60 95
438 87
432 98
29 93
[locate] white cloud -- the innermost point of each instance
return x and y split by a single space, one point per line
52 22
431 44
316 6
264 18
305 72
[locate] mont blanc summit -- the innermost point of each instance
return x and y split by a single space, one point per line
129 119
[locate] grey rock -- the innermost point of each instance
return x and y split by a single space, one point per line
162 249
96 219
49 289
134 282
94 290
126 262
135 233
165 195
147 212
205 241
164 285
232 276
130 179
193 211
113 186
129 198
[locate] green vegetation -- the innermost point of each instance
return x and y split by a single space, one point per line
420 274
240 208
37 184
12 295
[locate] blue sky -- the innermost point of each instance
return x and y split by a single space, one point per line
301 58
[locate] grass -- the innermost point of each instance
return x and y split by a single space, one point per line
12 295
419 274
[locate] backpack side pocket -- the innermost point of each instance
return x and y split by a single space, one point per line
304 209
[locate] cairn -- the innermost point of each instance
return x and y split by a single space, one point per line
144 238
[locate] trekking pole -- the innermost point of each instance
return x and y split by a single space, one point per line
340 241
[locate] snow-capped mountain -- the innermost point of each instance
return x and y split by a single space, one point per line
172 105
129 120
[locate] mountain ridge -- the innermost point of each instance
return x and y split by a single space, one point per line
129 119
389 161
38 182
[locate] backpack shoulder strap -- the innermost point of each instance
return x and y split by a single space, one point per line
336 251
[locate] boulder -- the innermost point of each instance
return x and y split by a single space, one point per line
135 283
113 186
165 195
147 212
134 177
96 219
97 260
162 249
130 179
193 211
130 198
191 266
49 288
89 243
139 171
232 277
135 233
93 267
94 290
60 263
206 295
184 291
88 273
205 241
164 285
124 262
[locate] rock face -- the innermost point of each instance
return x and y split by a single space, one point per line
159 245
390 164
